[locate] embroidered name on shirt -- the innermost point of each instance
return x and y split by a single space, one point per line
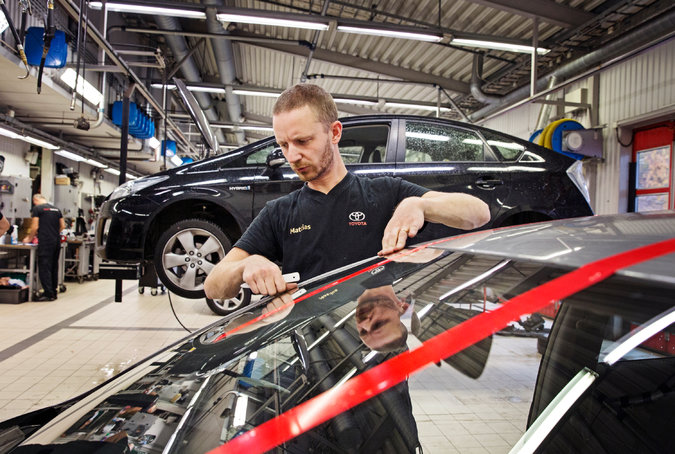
300 229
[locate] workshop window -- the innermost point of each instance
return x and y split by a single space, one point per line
425 142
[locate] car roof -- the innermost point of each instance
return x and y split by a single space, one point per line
572 243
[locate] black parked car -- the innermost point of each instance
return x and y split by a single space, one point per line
185 220
364 357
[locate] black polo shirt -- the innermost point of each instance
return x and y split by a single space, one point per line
49 232
310 232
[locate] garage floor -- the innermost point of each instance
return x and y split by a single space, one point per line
51 351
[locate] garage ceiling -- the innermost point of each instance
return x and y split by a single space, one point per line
380 73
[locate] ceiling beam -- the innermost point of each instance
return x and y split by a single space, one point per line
547 10
372 66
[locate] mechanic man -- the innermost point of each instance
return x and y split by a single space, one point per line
4 224
336 218
47 224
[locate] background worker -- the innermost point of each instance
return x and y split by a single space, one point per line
336 218
47 223
4 224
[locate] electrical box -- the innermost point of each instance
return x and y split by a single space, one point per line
16 195
587 142
67 199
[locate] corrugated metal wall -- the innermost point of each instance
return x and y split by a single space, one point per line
636 88
642 85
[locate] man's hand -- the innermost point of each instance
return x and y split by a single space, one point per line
278 308
407 220
263 276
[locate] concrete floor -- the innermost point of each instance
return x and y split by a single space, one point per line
51 351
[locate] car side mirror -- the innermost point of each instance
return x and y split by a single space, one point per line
275 159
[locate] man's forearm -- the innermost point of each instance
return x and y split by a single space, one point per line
458 210
224 281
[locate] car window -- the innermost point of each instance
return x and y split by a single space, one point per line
627 405
506 148
364 144
426 142
259 157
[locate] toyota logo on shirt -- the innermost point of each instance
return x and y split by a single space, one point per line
357 218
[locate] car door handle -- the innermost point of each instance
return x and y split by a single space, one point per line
487 183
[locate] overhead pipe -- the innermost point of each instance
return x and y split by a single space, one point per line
475 86
189 67
624 47
224 54
315 41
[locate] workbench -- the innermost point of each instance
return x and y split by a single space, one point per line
22 259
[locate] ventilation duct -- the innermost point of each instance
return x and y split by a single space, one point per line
649 33
189 68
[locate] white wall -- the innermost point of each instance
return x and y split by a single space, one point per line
14 151
629 93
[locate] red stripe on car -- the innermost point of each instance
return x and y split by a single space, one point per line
357 390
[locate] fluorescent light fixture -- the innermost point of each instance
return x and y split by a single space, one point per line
275 21
553 413
239 418
3 22
205 89
153 142
112 171
362 102
631 340
149 9
257 128
425 136
130 176
84 88
415 106
175 160
70 155
391 33
496 45
168 86
96 163
39 142
268 94
243 127
13 135
10 134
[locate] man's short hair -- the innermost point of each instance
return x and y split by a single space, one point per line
300 95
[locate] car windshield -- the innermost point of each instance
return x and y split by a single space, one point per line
341 369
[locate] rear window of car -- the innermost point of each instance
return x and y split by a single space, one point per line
631 401
504 146
428 142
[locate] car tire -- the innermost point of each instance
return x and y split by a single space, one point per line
186 253
226 307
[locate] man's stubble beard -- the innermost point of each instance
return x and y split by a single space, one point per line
325 163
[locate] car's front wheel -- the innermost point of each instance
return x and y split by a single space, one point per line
186 253
225 307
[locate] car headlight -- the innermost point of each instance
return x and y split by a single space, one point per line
133 186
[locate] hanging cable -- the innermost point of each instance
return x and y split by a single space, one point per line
174 312
26 9
17 38
79 57
47 38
